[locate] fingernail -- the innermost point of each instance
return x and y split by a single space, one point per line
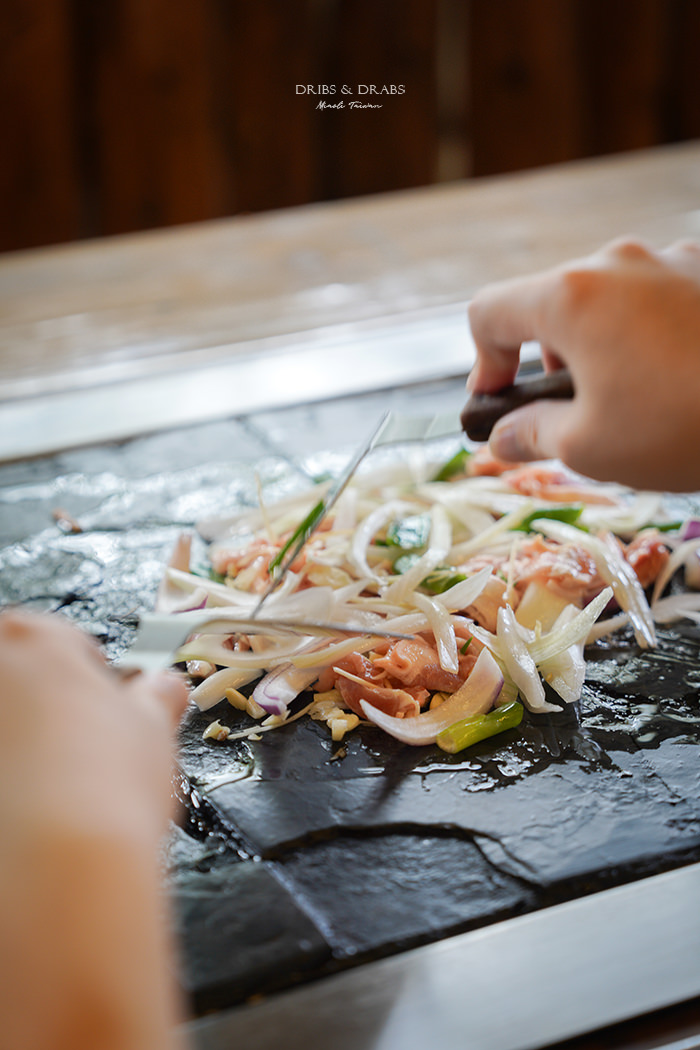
472 378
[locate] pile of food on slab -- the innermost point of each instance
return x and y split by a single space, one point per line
458 590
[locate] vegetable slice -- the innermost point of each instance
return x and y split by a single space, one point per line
409 534
304 528
519 663
616 572
213 689
455 465
471 730
569 514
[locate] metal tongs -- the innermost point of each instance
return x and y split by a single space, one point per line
160 635
280 566
391 429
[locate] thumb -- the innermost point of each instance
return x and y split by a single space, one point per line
169 690
531 432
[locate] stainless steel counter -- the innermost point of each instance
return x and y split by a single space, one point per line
520 984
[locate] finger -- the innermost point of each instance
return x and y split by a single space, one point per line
552 362
47 640
534 431
684 256
169 689
503 317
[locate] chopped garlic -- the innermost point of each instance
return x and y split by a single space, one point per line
330 694
236 699
325 705
342 724
200 668
215 731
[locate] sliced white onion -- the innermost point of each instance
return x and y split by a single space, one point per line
520 664
614 570
624 519
566 671
462 551
345 517
221 595
213 689
367 529
313 603
679 557
677 607
210 647
170 597
602 628
692 572
487 639
455 497
475 697
465 593
571 630
319 658
441 625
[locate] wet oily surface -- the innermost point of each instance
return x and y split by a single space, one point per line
294 856
564 798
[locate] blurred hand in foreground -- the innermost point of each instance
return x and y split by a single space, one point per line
626 323
86 761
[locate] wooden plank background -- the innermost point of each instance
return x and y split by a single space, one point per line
131 114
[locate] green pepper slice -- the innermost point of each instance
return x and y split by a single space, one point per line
409 534
666 526
569 515
440 580
436 582
455 465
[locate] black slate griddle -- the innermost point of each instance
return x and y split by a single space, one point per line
294 858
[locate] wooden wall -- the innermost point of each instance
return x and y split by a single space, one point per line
553 80
120 115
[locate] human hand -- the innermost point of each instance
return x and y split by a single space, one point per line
86 759
626 323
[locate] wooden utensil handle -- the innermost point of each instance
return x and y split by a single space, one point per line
482 411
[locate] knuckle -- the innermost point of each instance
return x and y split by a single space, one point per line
628 249
576 288
686 246
16 624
